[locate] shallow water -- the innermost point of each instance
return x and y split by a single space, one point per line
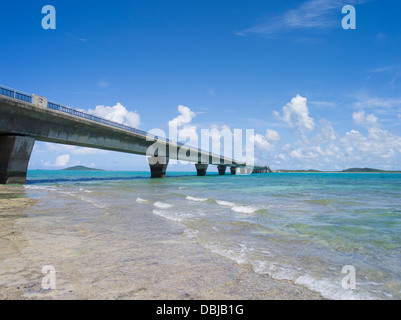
303 228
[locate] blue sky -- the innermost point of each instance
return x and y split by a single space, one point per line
316 95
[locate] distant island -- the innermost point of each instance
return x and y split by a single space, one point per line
81 168
350 170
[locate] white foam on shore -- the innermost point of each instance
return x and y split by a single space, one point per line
162 205
196 199
30 187
331 290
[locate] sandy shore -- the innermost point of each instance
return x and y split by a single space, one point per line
156 261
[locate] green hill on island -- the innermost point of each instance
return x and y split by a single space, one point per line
81 168
368 170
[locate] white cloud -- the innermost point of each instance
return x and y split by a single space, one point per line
118 113
375 102
272 135
378 144
296 114
362 119
267 142
61 161
312 14
180 128
327 150
262 143
185 117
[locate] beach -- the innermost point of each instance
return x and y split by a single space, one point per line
122 235
152 259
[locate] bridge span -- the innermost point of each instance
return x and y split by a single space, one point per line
26 118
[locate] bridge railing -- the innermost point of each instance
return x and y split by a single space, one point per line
18 95
88 116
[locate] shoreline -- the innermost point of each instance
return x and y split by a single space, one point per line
160 263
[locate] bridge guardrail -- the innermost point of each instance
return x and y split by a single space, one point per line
18 95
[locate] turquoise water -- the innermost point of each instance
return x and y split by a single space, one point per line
301 227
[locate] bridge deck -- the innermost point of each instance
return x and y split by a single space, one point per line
24 115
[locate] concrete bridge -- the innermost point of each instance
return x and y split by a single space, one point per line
26 118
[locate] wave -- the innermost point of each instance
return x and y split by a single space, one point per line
32 187
327 288
244 209
140 200
225 203
162 205
237 208
92 202
168 215
196 199
330 289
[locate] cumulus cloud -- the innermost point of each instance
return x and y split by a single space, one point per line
267 142
181 129
185 117
296 115
272 135
118 113
362 119
61 161
378 143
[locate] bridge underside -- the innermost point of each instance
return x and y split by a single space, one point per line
21 124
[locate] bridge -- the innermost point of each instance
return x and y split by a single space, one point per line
26 118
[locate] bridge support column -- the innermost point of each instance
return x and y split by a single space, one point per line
15 152
233 170
158 166
221 169
201 169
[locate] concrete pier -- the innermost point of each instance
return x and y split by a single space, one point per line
221 169
158 166
233 170
201 169
15 152
262 170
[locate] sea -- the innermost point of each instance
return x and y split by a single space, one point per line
338 234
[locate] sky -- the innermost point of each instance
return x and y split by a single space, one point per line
316 95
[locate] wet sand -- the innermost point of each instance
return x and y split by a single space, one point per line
148 258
